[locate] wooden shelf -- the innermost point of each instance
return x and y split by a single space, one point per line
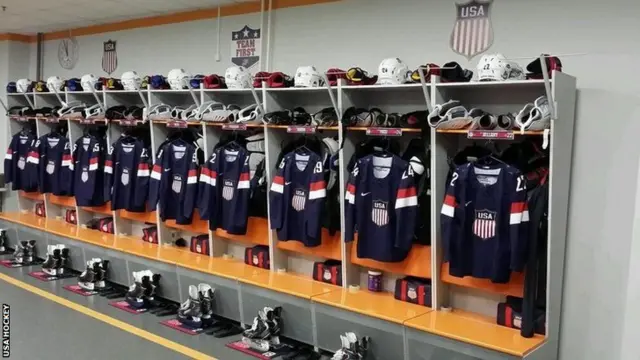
197 225
477 330
379 305
316 127
32 195
147 217
417 263
364 128
257 232
221 124
68 201
285 283
104 209
329 248
515 287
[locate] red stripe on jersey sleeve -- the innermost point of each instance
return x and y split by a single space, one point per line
94 160
205 171
193 172
450 200
517 207
141 166
244 176
157 168
351 188
33 154
408 192
9 151
66 157
278 180
108 163
318 185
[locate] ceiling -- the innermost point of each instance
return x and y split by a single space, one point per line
32 16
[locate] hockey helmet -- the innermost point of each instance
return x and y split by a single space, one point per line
88 82
196 81
308 76
12 88
131 81
214 82
178 79
55 83
393 71
23 85
279 80
73 84
495 67
237 77
334 74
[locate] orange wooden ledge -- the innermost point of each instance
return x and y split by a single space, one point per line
476 330
32 195
104 209
417 263
379 305
148 217
257 232
515 287
197 226
329 248
68 201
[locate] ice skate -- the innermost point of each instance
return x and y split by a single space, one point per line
190 312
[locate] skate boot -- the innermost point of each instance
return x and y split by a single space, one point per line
48 266
206 303
64 259
30 252
151 287
3 240
190 313
263 335
87 279
18 254
136 290
101 275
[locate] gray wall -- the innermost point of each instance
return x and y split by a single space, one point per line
600 302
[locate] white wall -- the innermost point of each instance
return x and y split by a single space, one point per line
363 32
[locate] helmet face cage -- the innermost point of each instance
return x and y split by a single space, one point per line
307 76
54 83
178 79
23 85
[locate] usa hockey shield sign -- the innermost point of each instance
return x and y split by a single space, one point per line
246 46
379 213
472 32
484 225
227 190
298 200
109 57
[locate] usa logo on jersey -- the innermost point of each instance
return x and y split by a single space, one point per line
484 226
379 213
227 190
299 198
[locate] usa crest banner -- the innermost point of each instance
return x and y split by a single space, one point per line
472 32
109 57
246 47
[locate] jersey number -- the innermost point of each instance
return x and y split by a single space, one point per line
454 177
520 185
318 168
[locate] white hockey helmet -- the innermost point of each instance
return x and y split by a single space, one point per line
393 71
54 82
131 80
178 79
495 67
536 116
23 85
237 77
88 82
308 76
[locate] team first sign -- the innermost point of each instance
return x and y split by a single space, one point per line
246 46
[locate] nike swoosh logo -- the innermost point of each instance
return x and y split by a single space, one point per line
287 183
365 194
467 203
165 170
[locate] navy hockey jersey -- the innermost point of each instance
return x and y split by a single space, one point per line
297 198
225 190
381 205
50 159
174 181
484 218
126 172
88 167
16 170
